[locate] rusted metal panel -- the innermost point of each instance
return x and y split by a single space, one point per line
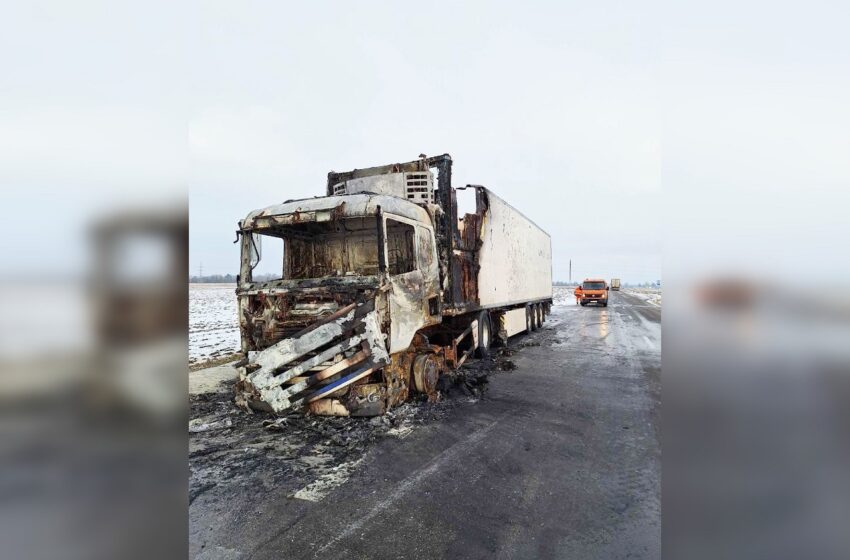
328 209
367 399
465 272
289 349
442 163
262 371
397 378
469 231
408 309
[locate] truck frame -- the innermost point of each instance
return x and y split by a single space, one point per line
382 289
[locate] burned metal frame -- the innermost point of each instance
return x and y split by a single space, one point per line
444 222
351 345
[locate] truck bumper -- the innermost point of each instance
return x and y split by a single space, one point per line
344 347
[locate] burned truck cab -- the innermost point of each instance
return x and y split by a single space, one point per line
330 288
328 253
350 302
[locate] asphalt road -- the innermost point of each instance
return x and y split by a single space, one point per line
562 459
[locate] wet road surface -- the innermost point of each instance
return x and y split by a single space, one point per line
561 459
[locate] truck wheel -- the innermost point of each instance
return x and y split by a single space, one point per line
540 318
426 373
485 335
529 319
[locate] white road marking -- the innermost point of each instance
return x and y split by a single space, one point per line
649 342
455 451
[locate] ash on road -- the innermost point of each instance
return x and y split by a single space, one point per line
559 458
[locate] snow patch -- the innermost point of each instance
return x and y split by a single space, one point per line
213 321
315 491
651 296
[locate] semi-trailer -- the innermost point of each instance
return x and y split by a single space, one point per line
380 288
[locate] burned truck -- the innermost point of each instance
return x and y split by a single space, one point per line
379 288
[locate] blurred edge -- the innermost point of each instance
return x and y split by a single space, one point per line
93 396
756 386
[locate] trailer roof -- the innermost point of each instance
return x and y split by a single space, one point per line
350 205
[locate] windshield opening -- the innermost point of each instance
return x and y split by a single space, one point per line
346 247
593 285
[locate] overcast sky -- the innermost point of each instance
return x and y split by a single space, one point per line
554 108
716 133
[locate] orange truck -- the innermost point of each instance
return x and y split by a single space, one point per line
594 290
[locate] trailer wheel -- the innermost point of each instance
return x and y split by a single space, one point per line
485 335
539 313
529 319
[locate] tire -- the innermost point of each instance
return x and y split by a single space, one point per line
529 320
485 335
541 315
535 323
584 304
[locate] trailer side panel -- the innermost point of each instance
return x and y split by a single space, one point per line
515 257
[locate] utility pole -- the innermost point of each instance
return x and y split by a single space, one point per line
201 269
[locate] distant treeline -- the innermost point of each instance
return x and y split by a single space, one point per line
226 278
656 284
213 279
231 279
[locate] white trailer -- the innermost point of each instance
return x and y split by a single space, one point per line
515 257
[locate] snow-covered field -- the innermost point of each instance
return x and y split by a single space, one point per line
214 327
563 295
649 295
213 321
